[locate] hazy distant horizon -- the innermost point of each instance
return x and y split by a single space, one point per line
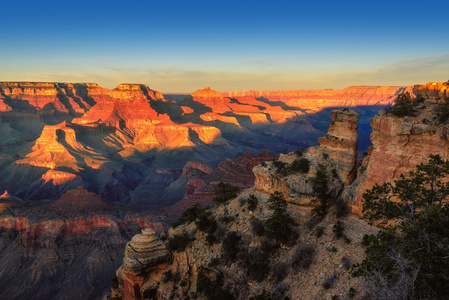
180 46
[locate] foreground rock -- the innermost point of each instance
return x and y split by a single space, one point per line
336 152
401 143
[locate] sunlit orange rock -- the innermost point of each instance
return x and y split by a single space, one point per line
59 177
435 91
58 147
399 144
3 106
318 99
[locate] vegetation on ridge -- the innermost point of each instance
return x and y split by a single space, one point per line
408 258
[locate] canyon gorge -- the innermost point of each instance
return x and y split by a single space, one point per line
83 169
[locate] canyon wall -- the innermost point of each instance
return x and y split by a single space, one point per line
401 143
68 249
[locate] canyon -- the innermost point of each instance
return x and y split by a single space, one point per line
83 168
399 143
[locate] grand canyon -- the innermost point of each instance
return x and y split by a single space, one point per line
92 177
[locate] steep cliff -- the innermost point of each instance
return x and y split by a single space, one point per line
319 99
401 143
203 180
337 152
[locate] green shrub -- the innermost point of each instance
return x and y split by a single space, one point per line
319 232
352 292
257 226
443 113
329 281
212 290
207 223
301 165
338 229
179 242
345 262
299 152
257 265
280 271
169 276
403 106
224 193
341 209
411 251
231 246
281 167
279 225
226 219
189 215
252 202
320 186
303 257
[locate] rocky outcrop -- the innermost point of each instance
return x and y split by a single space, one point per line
337 152
202 181
144 254
316 100
398 145
144 250
434 91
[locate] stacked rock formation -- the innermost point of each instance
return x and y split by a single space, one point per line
337 152
144 251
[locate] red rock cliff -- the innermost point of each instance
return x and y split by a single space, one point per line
401 143
319 99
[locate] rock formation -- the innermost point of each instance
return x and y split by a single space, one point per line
78 200
337 152
434 91
202 181
316 100
145 254
401 143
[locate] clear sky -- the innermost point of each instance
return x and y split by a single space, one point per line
181 46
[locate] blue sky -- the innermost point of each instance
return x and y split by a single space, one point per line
181 46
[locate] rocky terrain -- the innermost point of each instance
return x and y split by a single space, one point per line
313 263
329 256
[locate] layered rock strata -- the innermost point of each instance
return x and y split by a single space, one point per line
140 273
203 180
143 251
315 100
401 143
336 152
